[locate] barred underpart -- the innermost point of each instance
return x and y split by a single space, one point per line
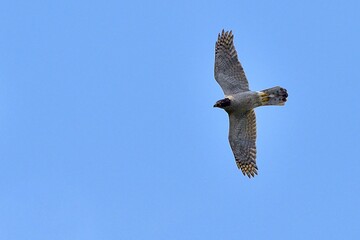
228 71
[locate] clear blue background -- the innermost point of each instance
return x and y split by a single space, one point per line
107 129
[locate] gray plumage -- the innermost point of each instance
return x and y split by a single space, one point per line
239 103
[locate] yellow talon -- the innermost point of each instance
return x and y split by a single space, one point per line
264 97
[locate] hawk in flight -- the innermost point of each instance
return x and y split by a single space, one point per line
239 103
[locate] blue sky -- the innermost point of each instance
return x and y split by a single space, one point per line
107 129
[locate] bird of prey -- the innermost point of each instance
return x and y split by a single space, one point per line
239 103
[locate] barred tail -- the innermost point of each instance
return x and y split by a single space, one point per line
273 96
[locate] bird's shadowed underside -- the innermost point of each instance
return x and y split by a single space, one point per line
239 103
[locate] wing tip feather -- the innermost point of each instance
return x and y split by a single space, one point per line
247 168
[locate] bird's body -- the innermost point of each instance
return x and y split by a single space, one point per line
243 101
239 103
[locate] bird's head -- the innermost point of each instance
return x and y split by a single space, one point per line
223 103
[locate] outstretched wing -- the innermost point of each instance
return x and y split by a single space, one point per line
228 71
242 138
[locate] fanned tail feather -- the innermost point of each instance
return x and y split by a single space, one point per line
273 96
